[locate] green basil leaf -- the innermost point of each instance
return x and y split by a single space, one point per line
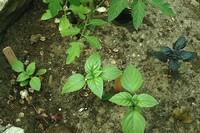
47 15
17 66
79 9
145 100
138 12
35 83
131 79
73 83
96 86
41 72
74 2
93 41
23 83
110 73
116 7
122 98
93 63
163 6
70 32
30 68
133 122
54 7
64 25
22 76
97 22
73 51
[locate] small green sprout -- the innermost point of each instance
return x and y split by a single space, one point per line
131 81
28 75
95 75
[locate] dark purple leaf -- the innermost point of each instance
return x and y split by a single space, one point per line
161 56
180 43
174 65
166 50
188 56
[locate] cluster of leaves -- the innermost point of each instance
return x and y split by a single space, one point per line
28 75
138 9
82 29
131 81
174 55
95 75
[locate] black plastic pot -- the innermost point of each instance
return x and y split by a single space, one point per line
124 17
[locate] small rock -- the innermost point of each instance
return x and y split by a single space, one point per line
14 130
1 122
113 62
56 20
101 9
194 3
18 120
35 38
2 128
26 62
21 114
115 50
42 38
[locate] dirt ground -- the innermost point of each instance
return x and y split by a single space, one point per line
82 111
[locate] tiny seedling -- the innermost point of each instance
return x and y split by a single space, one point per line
174 55
95 75
131 81
138 9
28 75
82 28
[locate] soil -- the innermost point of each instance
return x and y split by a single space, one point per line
82 111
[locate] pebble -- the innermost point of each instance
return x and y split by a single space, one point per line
12 81
18 120
101 9
35 38
194 3
115 50
1 121
56 20
26 62
2 128
113 62
42 53
21 114
43 38
14 129
24 94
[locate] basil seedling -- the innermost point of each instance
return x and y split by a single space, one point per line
174 55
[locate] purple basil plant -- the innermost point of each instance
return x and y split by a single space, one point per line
174 55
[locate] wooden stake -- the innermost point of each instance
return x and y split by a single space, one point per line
10 55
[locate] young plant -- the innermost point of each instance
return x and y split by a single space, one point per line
28 75
69 26
138 9
95 75
131 81
174 55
